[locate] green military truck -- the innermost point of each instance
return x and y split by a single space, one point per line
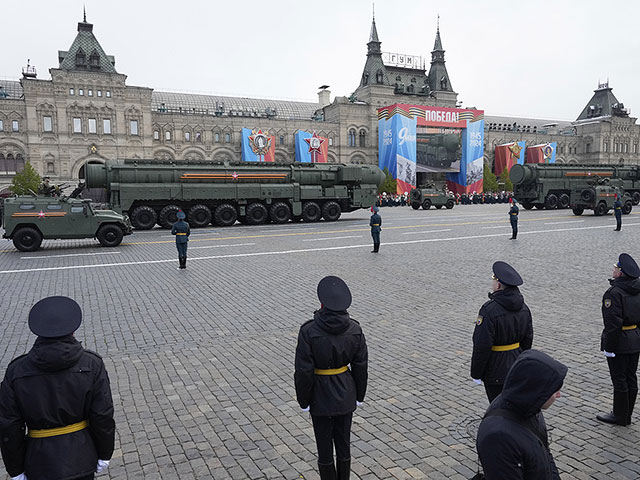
599 195
426 196
28 220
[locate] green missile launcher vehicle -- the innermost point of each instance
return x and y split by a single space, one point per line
28 220
153 191
427 195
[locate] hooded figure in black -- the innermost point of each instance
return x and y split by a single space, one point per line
512 439
504 329
331 375
620 340
56 410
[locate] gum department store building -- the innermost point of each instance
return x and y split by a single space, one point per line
86 112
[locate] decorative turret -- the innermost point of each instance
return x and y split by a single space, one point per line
438 76
374 72
85 53
603 104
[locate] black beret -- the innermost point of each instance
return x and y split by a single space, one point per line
54 317
506 274
628 265
334 294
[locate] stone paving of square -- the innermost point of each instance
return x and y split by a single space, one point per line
201 361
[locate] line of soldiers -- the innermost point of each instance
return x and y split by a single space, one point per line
483 198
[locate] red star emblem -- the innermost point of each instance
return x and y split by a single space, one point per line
315 144
234 175
42 214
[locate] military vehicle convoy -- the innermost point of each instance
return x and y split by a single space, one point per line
28 220
151 192
599 195
427 195
551 185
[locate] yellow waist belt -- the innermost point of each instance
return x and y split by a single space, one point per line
330 371
505 348
629 327
53 432
375 225
180 233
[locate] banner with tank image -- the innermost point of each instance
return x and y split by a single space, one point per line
397 150
470 179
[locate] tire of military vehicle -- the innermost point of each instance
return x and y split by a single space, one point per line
110 235
450 203
627 207
226 215
168 216
199 216
563 201
280 212
257 214
311 212
27 239
587 195
331 211
438 206
635 198
143 217
578 210
527 206
426 204
539 206
601 209
415 206
551 201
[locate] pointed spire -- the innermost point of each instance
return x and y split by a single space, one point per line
373 37
438 43
84 11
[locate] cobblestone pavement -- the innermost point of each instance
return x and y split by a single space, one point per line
201 361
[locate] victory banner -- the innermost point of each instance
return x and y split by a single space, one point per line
310 148
543 153
507 155
469 179
258 146
397 150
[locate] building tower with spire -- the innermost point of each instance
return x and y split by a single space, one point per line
439 81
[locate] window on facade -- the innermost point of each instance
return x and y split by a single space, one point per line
99 93
133 127
615 147
187 136
351 140
362 138
227 137
93 126
281 139
198 137
106 126
47 124
15 126
156 135
108 94
90 93
588 148
635 145
217 137
77 125
626 148
605 146
50 167
330 141
72 91
167 136
80 92
1 125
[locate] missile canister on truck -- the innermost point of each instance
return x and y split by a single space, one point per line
551 185
153 192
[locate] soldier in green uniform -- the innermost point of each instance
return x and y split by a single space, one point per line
46 188
375 223
513 218
617 211
182 231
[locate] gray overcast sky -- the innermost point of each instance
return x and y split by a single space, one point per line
538 59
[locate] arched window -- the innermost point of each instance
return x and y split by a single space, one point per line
362 138
19 162
379 77
351 140
94 60
81 59
11 164
3 165
410 88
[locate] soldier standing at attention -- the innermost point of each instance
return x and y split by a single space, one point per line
59 392
182 231
325 385
617 211
503 330
513 218
375 223
621 337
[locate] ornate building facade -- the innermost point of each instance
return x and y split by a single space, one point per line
86 112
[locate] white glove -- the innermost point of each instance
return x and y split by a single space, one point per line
359 404
306 409
477 381
609 354
102 466
22 476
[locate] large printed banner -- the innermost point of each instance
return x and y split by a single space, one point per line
432 139
310 148
258 146
543 153
507 155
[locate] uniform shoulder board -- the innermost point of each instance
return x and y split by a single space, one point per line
92 353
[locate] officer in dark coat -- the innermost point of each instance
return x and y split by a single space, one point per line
331 375
513 218
59 393
503 330
512 440
617 211
375 222
621 338
182 231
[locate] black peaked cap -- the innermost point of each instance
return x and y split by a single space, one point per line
628 265
54 317
506 274
334 294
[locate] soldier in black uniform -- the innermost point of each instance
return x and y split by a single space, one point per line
617 211
375 223
325 385
59 393
503 330
621 337
513 218
182 231
512 440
